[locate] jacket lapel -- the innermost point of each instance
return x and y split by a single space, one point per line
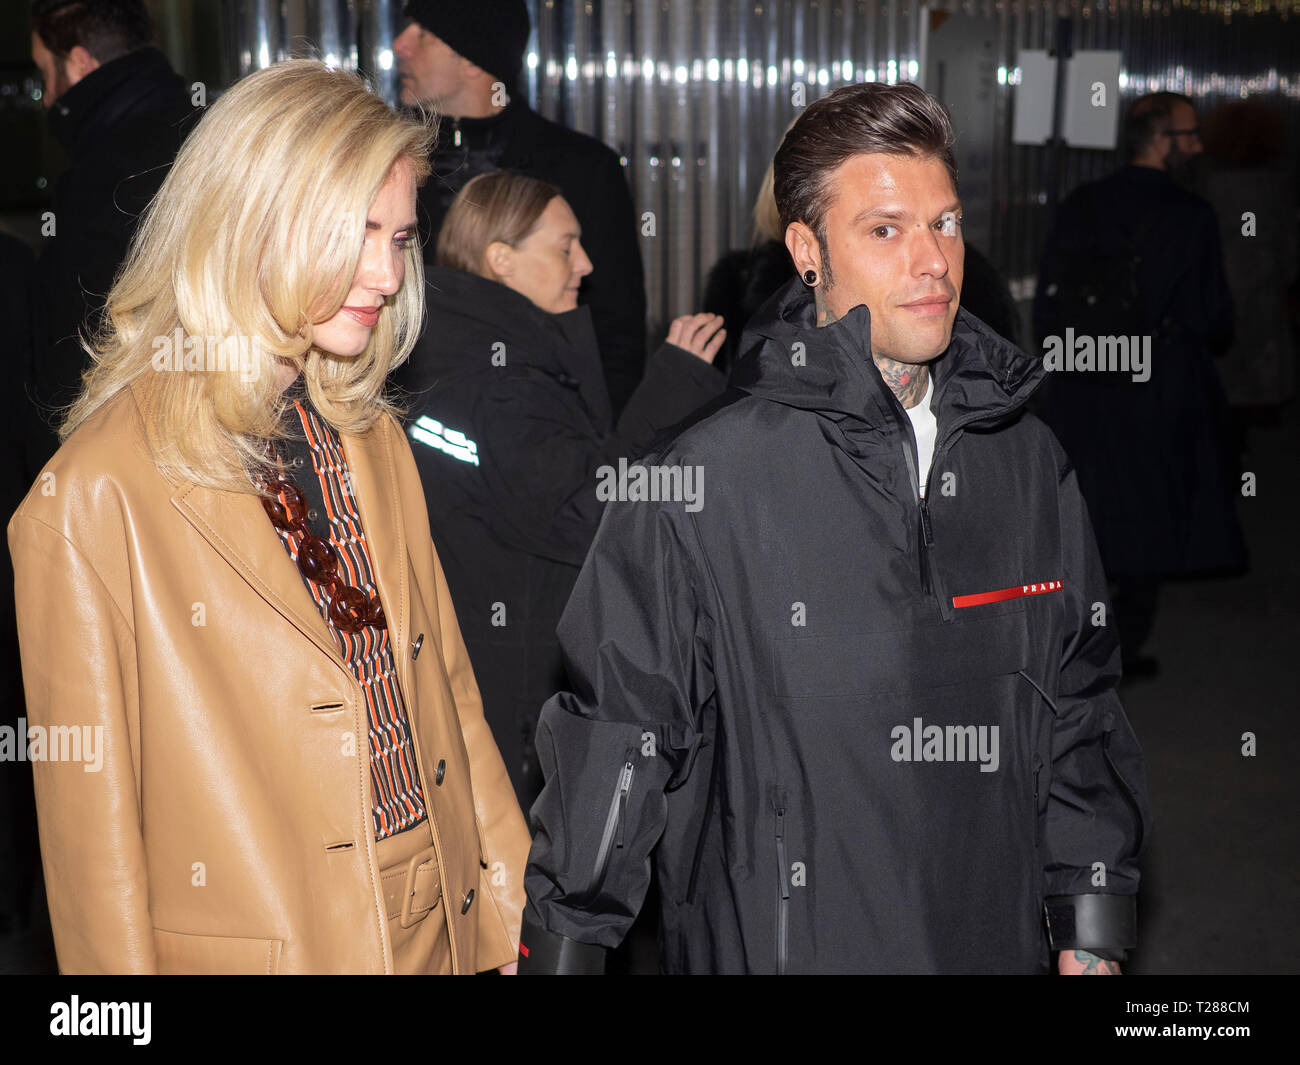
374 484
237 528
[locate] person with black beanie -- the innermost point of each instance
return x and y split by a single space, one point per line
463 61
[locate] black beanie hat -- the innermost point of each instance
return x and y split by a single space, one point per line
492 34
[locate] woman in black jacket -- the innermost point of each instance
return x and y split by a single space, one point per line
510 423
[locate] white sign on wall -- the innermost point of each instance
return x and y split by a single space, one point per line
1090 116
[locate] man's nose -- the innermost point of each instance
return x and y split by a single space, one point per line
928 256
402 43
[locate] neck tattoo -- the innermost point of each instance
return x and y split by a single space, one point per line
908 381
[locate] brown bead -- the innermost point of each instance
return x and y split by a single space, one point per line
316 559
348 609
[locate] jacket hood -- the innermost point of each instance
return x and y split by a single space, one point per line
468 314
980 377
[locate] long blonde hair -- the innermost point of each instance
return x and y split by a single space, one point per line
255 234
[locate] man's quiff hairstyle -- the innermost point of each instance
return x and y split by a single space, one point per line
853 120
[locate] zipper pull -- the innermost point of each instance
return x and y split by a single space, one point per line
924 540
455 137
624 786
926 531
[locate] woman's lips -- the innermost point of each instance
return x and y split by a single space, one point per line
367 316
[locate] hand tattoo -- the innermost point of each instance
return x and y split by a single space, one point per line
1095 966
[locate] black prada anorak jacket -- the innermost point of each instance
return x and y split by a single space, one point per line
848 727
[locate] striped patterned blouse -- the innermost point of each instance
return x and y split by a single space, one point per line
316 463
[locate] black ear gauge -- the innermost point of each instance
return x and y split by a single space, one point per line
810 277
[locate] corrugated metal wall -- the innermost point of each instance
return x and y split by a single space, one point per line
694 94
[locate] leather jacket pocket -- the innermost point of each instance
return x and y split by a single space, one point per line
180 953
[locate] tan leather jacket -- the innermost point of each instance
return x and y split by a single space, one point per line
228 826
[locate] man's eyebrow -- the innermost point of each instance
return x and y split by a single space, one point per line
897 214
892 214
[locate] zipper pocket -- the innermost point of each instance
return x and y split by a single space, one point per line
925 540
1126 791
782 884
693 881
1038 815
615 823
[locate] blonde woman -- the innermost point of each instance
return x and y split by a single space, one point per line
265 748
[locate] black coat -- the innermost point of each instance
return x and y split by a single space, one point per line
513 524
1154 457
121 126
739 284
739 675
592 180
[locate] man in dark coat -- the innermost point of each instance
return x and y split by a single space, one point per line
463 60
121 114
858 708
1152 447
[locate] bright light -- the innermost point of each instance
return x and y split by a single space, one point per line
532 60
712 68
571 68
823 77
648 69
742 69
847 68
681 74
385 59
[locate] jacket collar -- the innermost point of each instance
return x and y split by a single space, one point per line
477 313
981 377
98 100
237 528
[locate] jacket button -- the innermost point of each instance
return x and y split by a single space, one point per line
415 647
313 514
440 772
469 901
297 463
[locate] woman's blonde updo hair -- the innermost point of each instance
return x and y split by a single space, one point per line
500 206
256 233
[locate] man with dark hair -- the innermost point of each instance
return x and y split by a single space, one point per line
120 113
1160 130
1135 259
463 60
854 702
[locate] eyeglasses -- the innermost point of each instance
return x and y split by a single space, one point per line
350 609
